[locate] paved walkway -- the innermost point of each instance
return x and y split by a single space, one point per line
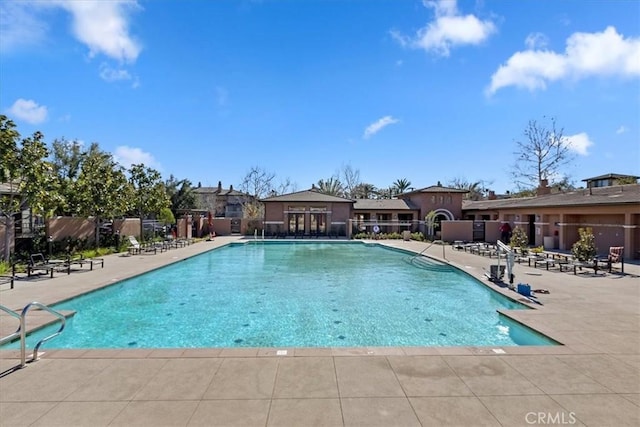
593 379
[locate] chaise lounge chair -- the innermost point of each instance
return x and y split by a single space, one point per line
136 248
37 262
81 261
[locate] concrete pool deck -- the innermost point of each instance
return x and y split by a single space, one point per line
593 379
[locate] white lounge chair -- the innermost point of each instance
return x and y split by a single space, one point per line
134 246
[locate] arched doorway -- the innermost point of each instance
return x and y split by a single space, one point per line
433 219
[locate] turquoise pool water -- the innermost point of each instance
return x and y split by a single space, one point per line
299 294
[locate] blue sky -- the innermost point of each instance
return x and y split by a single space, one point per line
426 91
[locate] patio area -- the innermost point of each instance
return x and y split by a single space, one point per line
592 379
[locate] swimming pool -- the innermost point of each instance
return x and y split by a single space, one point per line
302 294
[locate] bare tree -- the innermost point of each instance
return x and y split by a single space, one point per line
542 155
257 184
350 179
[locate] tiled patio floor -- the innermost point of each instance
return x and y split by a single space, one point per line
593 380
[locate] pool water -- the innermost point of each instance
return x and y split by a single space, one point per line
299 294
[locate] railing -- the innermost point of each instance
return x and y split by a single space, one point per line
430 265
17 332
22 333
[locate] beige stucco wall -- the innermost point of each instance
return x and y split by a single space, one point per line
62 227
428 202
456 230
222 226
127 227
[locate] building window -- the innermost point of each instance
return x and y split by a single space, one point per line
448 200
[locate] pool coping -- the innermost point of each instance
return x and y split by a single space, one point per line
593 379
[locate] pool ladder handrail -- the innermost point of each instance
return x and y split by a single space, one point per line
440 242
22 333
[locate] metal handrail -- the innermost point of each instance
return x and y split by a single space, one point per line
17 332
63 322
440 242
22 330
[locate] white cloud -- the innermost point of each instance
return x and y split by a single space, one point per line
29 111
128 156
536 41
20 26
104 27
377 126
579 143
448 30
587 54
109 74
621 130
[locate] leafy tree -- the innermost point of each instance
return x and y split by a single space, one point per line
401 185
26 174
331 186
67 158
166 217
102 189
181 194
541 155
149 192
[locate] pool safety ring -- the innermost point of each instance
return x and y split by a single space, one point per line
376 229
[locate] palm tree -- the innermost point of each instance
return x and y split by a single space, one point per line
364 191
331 186
401 185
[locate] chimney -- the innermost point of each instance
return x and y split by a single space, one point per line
492 195
230 188
543 188
219 186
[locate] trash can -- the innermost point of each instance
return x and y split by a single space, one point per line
406 235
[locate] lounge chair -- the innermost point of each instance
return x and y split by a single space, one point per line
136 248
81 261
37 262
616 255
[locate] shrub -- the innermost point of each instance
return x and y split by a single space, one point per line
519 239
418 236
585 248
